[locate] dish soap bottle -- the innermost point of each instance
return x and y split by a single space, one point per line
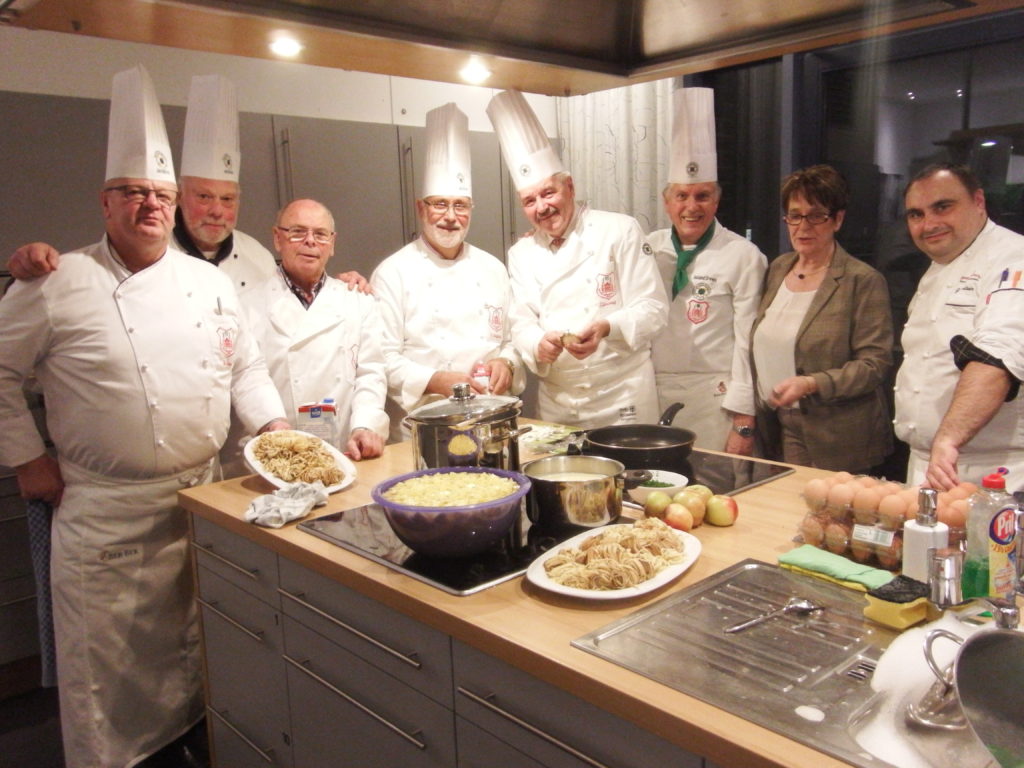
923 536
990 564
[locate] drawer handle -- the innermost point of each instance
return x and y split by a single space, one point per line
249 743
17 600
410 737
257 635
409 659
208 549
485 701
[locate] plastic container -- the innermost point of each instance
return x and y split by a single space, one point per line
320 419
481 376
990 562
922 534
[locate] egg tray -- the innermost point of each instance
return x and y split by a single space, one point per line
865 528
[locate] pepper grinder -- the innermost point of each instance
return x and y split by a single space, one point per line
922 536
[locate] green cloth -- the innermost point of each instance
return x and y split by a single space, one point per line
819 561
685 257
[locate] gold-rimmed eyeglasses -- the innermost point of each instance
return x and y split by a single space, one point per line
166 198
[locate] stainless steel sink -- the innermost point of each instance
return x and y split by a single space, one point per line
805 677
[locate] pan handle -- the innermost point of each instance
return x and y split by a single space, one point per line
669 414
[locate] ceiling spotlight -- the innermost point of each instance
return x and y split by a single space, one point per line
989 143
959 93
910 95
286 47
474 72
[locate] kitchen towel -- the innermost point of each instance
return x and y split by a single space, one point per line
39 515
292 502
818 562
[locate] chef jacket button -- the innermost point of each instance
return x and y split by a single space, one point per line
209 435
205 363
160 443
143 367
917 390
199 324
209 397
131 330
189 294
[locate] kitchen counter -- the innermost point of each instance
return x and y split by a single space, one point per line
531 630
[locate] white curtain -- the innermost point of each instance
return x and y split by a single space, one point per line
616 143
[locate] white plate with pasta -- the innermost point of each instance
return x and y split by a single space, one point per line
537 574
290 455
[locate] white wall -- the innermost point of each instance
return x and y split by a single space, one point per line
75 65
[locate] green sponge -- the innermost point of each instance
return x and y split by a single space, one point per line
834 567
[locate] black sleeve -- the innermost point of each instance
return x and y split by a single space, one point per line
964 352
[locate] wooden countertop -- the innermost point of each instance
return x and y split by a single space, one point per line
532 629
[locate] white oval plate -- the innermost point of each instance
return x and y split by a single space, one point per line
536 574
343 462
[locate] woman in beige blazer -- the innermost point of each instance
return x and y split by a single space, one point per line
822 339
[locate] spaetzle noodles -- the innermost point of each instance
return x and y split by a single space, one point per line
295 457
617 558
451 489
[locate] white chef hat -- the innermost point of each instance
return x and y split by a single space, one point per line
524 145
694 158
211 148
447 157
137 145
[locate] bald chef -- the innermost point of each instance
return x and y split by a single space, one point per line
210 194
713 280
140 351
444 302
586 296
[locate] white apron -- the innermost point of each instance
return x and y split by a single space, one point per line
702 395
124 617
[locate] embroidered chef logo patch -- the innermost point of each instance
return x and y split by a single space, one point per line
698 307
228 164
692 168
226 337
162 164
494 321
524 170
606 287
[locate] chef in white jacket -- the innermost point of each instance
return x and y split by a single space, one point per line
444 302
713 280
587 298
320 339
210 195
957 391
140 351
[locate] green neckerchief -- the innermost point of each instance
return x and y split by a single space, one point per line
684 258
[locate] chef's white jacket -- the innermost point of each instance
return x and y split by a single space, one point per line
441 315
139 370
332 349
980 295
708 332
603 270
248 264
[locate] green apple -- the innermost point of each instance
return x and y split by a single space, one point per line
656 503
701 490
722 510
692 502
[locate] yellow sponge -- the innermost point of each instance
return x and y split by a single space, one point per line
896 615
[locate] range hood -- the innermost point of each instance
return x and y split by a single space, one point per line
553 47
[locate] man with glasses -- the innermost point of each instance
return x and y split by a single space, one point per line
957 391
713 280
444 301
141 354
320 339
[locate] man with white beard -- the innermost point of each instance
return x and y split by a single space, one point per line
444 302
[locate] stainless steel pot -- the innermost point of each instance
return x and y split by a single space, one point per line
988 672
467 430
562 496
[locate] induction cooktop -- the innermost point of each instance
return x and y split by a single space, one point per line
365 531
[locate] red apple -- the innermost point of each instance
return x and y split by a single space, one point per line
692 502
656 504
722 510
701 490
679 517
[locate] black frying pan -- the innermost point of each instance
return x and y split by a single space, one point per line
643 446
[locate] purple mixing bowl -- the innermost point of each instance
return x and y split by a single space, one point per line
452 531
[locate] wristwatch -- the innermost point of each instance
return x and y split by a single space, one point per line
743 431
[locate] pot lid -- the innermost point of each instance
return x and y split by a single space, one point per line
466 406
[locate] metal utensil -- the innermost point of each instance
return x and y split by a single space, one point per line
799 605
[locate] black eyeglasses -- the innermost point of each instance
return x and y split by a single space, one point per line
167 198
299 234
814 217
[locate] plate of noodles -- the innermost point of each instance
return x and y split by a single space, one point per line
616 561
290 456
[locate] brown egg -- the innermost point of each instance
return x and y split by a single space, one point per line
910 496
865 506
861 551
891 488
892 556
867 481
959 492
837 537
812 530
954 514
891 512
841 495
843 477
816 493
971 488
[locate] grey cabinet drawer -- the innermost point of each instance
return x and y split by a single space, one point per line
243 642
234 748
552 726
479 749
245 564
345 711
403 647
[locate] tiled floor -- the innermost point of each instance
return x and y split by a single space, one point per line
30 731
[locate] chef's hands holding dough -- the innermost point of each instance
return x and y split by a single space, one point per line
580 345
